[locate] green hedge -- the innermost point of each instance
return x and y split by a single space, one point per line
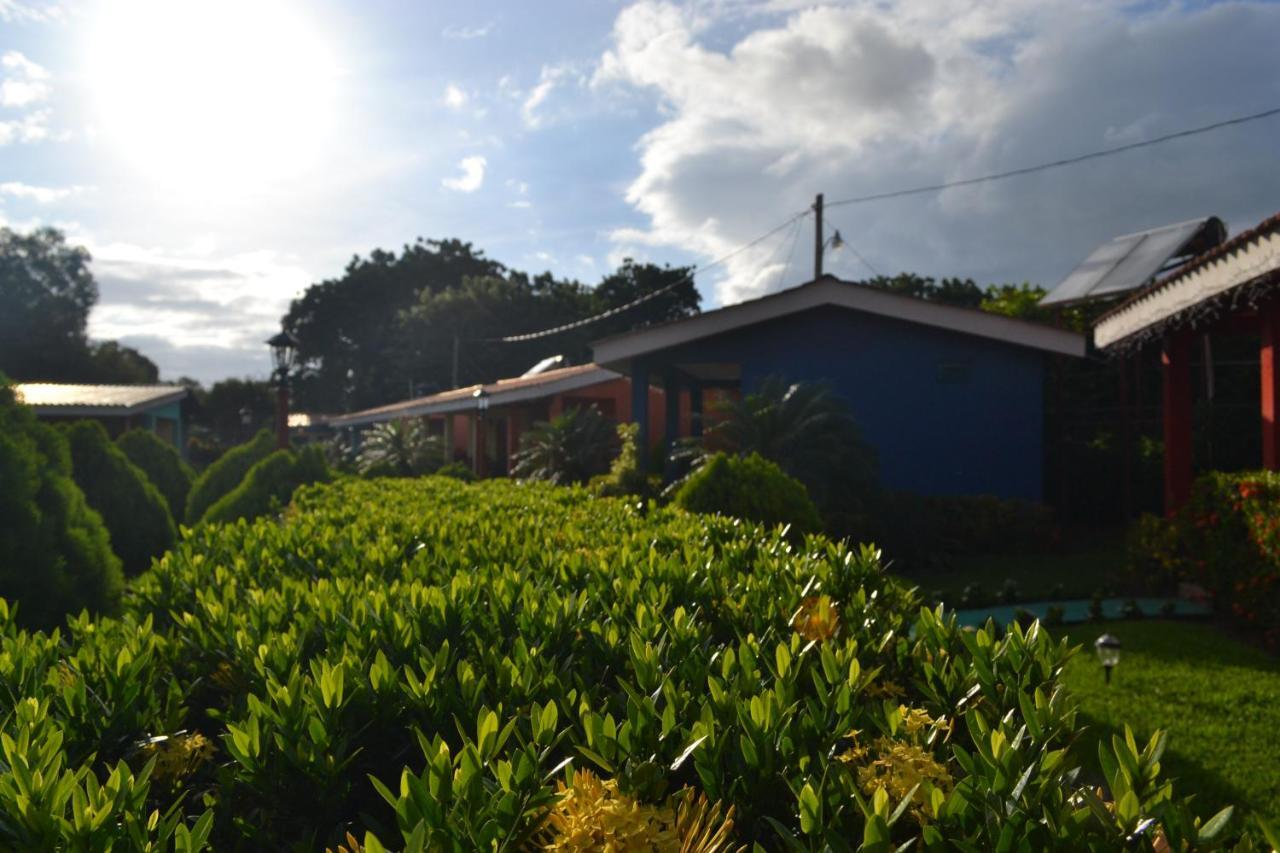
270 484
225 474
436 665
55 554
751 488
133 509
1227 540
162 464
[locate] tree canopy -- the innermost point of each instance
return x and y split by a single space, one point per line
385 329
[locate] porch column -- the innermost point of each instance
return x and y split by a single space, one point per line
1269 323
1175 359
695 409
671 419
448 438
473 423
640 411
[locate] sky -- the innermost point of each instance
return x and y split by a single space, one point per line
216 158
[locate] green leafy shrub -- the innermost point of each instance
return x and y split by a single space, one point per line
133 509
55 553
1227 540
752 488
625 477
225 474
400 448
926 531
270 484
162 464
434 665
572 447
458 471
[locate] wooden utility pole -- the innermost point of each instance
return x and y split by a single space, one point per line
817 237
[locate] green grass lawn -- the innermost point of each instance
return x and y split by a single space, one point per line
1218 698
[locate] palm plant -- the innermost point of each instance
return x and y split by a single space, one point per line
570 448
805 430
403 448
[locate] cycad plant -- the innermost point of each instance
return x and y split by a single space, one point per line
402 448
569 448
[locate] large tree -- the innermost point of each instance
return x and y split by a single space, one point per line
387 328
46 292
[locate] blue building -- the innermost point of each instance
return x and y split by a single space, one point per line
952 399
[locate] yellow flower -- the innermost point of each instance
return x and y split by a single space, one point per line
901 767
177 756
885 690
593 815
915 720
817 619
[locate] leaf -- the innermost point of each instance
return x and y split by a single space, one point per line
688 751
1215 825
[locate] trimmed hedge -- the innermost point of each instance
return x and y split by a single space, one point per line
1227 540
270 484
55 554
225 474
751 488
522 667
133 509
162 464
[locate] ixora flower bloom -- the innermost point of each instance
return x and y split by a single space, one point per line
817 618
898 766
593 815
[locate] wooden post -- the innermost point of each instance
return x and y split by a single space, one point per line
282 416
817 237
1269 322
695 409
671 419
1175 361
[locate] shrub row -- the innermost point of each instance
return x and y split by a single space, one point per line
1227 540
448 666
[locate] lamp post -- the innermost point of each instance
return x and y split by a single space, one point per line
1108 648
284 349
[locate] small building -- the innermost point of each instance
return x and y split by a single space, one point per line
952 399
483 423
119 408
1231 289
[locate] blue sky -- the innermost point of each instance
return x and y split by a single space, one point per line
217 158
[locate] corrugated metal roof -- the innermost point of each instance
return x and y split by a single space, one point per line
1131 261
111 399
502 392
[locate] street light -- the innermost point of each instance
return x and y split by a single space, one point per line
481 397
1108 648
284 350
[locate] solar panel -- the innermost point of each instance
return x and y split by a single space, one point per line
1132 260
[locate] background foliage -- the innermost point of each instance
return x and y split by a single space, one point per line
749 487
269 484
55 553
226 473
133 510
160 461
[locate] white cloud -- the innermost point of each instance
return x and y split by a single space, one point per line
454 97
855 99
468 33
550 77
520 204
23 82
472 176
44 195
38 12
32 127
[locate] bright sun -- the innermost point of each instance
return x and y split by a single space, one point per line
217 94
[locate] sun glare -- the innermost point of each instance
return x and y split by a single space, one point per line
212 95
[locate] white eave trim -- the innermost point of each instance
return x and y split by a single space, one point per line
463 403
1235 268
618 351
92 411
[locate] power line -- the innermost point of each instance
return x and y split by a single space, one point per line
844 241
1069 161
795 238
612 312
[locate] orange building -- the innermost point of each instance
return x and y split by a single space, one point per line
492 417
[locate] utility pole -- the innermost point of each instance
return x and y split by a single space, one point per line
455 361
817 237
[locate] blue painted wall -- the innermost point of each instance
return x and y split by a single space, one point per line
948 413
